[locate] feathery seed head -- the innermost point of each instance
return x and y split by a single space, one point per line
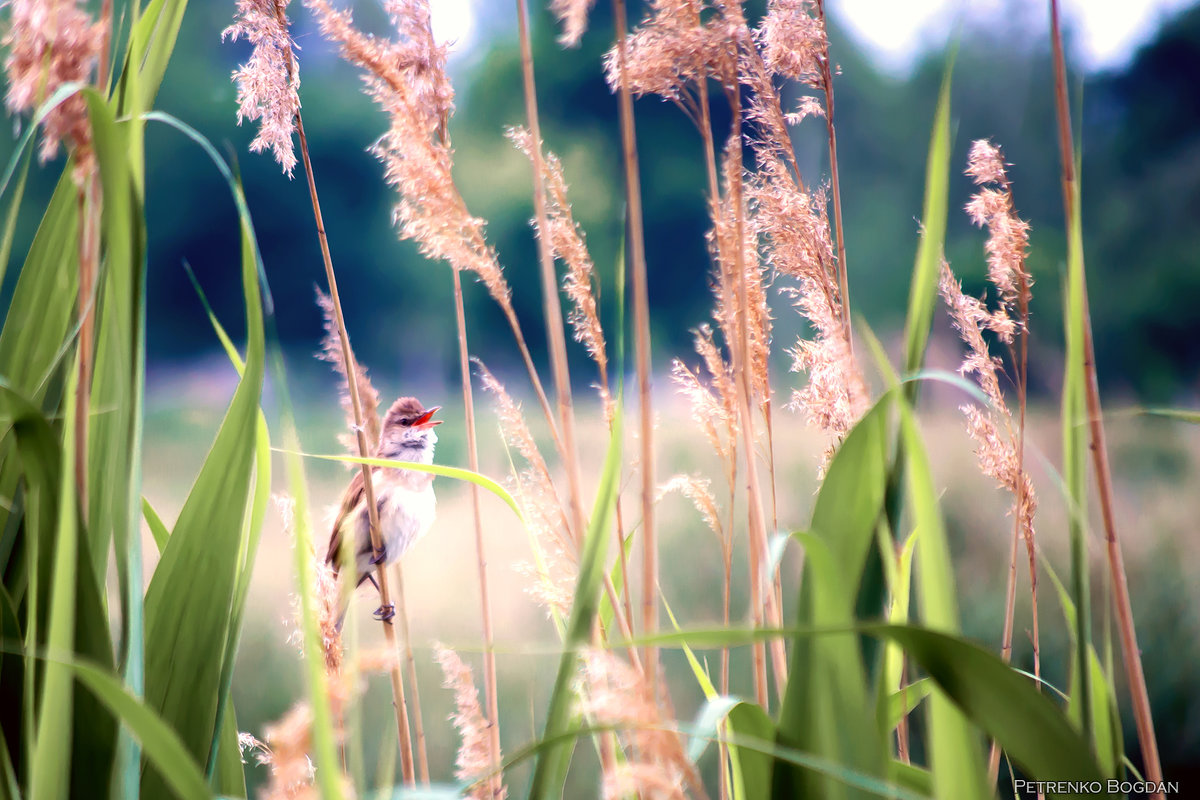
614 693
368 397
474 753
406 77
268 83
573 16
51 43
985 163
566 240
792 38
670 50
699 491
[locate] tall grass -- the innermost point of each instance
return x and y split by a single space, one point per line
144 707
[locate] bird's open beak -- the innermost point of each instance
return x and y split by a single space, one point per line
426 421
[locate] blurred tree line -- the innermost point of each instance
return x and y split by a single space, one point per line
1141 186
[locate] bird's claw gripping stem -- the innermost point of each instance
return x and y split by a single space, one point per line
379 556
385 613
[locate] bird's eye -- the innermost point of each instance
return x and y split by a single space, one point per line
405 421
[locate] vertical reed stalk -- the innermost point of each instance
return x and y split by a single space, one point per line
389 631
399 702
1022 363
756 520
714 194
641 320
553 309
1135 676
411 667
489 654
1022 392
827 85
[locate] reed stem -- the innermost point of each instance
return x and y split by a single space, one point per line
641 320
389 631
489 653
743 366
714 192
422 757
1131 655
835 185
553 309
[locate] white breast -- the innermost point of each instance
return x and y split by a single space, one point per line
405 517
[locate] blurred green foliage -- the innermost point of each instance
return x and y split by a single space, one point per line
1141 184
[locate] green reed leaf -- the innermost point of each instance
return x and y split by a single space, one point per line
827 708
922 293
1033 731
457 473
551 769
162 746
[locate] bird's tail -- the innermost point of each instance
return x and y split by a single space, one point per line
345 598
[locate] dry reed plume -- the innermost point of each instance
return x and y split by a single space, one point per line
567 244
474 761
555 557
406 77
615 694
573 16
331 351
52 43
268 84
999 438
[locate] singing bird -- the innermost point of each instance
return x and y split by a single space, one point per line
404 497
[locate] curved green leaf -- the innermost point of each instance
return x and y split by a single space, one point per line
162 745
191 605
457 473
955 756
922 293
551 769
1033 731
827 708
752 769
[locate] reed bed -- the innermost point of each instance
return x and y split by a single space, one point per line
847 614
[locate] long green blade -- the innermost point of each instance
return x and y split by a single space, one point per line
551 769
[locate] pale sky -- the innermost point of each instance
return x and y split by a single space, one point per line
896 30
1109 31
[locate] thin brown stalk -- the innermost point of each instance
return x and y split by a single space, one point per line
389 631
827 86
1131 655
1031 550
1022 363
555 333
714 193
485 606
641 318
756 521
411 667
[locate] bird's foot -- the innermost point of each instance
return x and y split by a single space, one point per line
379 557
385 613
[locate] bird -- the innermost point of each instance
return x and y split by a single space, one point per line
404 497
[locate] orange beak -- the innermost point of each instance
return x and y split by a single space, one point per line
426 421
